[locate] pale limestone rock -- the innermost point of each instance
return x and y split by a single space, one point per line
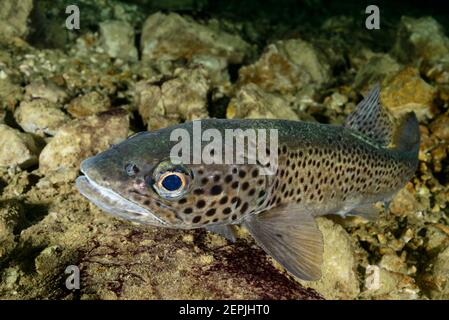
17 148
14 17
45 90
170 37
375 70
181 98
88 104
117 39
252 102
437 279
406 91
83 138
420 38
40 117
287 66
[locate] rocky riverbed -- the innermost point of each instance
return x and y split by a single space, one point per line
68 94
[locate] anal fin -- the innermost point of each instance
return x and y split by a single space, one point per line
290 235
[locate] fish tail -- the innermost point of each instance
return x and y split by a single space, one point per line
407 135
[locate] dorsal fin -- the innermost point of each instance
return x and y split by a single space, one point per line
370 119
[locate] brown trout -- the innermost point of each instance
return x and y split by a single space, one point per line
320 170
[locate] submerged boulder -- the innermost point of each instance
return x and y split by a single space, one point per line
420 39
171 37
287 66
83 138
406 91
40 116
252 102
182 98
17 148
117 39
14 17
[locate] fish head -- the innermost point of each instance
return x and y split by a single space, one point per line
137 180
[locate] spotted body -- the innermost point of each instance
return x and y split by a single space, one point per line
321 169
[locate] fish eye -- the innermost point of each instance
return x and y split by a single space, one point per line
171 181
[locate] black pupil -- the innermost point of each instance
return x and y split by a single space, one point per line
172 182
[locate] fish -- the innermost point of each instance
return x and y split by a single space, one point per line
320 170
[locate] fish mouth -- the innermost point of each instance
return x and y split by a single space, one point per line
113 203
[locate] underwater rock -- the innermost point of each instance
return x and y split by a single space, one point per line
440 127
10 94
336 102
47 260
117 39
216 67
47 90
88 104
393 263
437 281
14 17
381 283
82 138
11 216
437 235
17 148
339 271
40 117
407 91
182 98
287 66
157 263
405 202
252 102
420 38
170 37
438 71
375 70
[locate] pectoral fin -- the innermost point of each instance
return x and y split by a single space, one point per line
291 236
224 231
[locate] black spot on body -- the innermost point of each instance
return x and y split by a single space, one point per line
198 191
215 190
224 200
200 204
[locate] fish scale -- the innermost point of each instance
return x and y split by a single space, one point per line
319 170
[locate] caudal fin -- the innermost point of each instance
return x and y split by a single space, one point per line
407 135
